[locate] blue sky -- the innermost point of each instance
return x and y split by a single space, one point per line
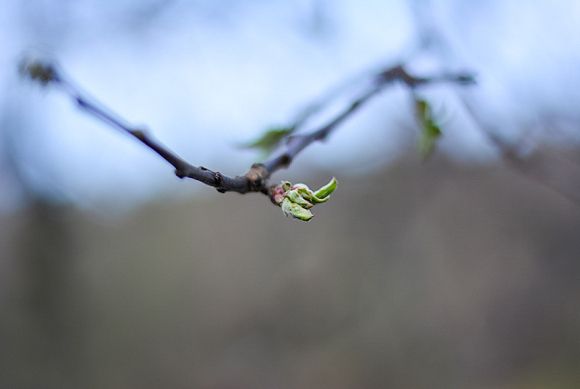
206 75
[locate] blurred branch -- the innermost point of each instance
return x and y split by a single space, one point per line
296 143
256 179
430 38
519 164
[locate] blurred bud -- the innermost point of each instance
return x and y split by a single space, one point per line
269 140
37 70
430 128
466 79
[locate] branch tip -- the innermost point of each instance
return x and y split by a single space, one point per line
257 176
38 70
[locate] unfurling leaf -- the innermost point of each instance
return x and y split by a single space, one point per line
297 200
269 140
295 210
294 196
327 189
430 129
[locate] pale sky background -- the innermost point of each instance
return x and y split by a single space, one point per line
204 76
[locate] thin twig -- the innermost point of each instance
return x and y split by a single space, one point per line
182 168
296 143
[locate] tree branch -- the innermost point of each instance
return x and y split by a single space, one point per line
256 179
182 168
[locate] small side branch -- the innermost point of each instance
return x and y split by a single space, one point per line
296 143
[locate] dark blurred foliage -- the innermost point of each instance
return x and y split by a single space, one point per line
430 276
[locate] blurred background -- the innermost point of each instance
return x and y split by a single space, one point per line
462 271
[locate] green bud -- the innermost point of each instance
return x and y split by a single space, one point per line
304 191
286 186
295 210
294 196
296 200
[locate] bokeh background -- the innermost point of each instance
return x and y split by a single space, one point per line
459 272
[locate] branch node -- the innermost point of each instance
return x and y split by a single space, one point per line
466 79
139 134
257 176
219 180
285 159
